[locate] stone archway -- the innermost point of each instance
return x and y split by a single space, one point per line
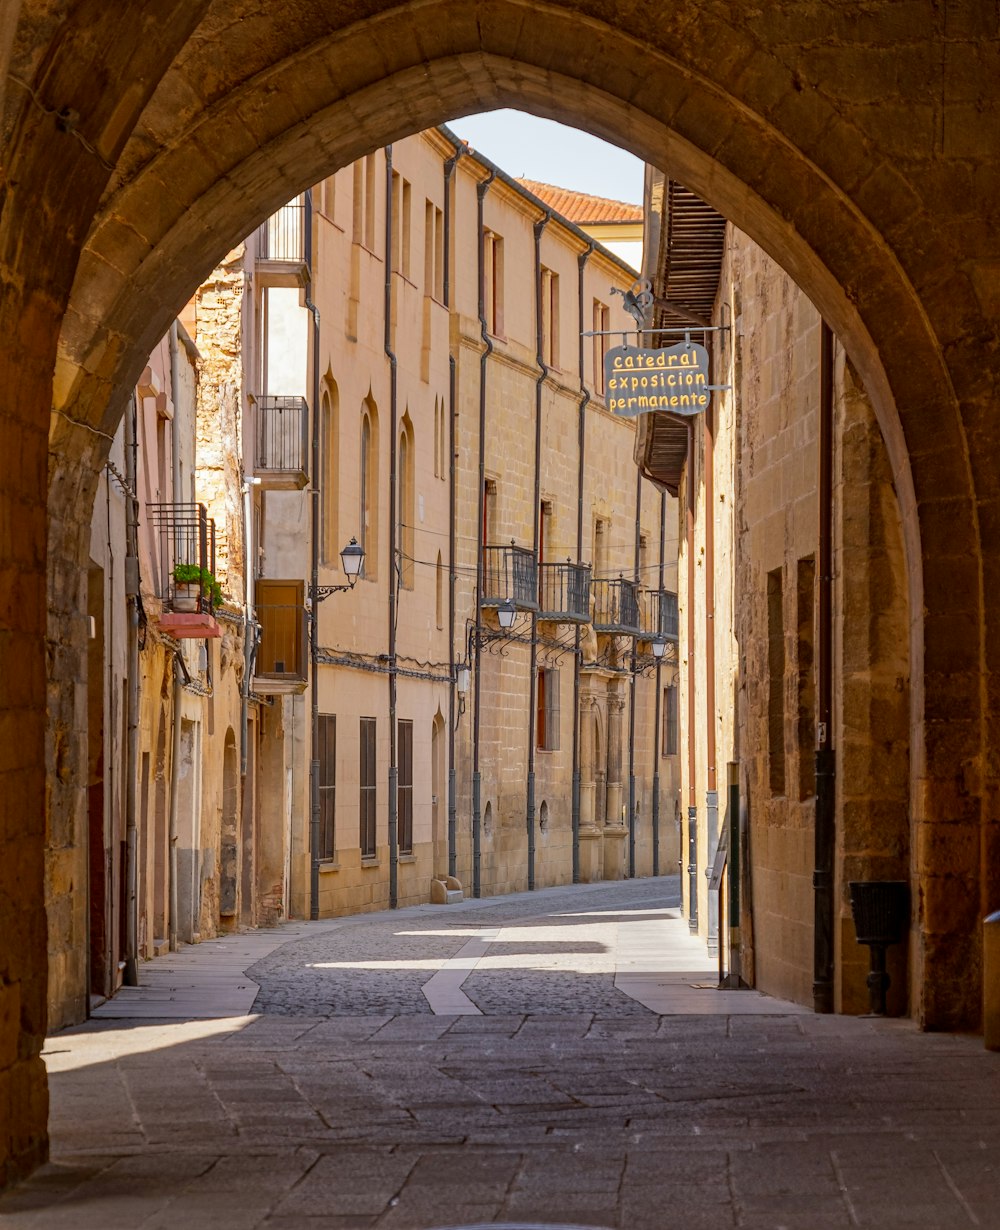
860 154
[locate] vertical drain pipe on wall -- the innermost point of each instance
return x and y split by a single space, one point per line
315 530
577 653
175 742
477 782
449 171
712 790
631 683
657 714
393 561
130 975
825 829
543 372
692 826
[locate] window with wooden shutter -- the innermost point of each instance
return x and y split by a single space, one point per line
367 799
404 786
548 710
326 754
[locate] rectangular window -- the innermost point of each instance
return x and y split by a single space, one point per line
602 322
433 252
326 754
367 799
669 745
404 785
806 678
400 224
550 318
493 282
776 683
489 512
547 715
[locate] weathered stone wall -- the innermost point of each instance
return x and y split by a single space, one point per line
766 523
872 714
812 128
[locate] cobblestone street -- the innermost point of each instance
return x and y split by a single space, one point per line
541 1059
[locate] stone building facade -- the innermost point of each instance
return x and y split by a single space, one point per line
415 370
758 590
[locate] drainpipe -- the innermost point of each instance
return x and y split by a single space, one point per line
393 562
477 782
175 748
130 975
712 792
449 171
631 685
577 652
825 828
315 531
655 818
692 842
543 371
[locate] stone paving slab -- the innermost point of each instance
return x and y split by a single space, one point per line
609 1115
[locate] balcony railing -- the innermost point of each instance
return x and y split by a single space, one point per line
616 607
282 237
509 572
281 441
184 537
659 614
281 651
564 592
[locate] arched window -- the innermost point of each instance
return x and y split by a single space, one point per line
407 509
439 592
329 463
368 476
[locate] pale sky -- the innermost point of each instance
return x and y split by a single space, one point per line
525 146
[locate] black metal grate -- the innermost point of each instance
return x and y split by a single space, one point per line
283 236
564 592
282 435
184 535
509 572
659 614
616 607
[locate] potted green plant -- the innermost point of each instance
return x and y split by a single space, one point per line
190 582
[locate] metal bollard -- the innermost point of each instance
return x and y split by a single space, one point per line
991 981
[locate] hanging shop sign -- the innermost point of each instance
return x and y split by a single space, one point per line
674 379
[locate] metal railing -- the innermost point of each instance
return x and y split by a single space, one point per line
564 592
282 237
616 606
659 614
184 538
281 650
509 572
281 436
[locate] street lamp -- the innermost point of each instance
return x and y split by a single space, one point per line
352 557
506 612
659 647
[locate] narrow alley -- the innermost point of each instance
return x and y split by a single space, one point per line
555 1058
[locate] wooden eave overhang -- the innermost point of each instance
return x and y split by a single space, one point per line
685 243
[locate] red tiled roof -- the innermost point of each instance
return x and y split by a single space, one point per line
580 207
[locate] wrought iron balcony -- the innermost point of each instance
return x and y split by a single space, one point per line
564 592
281 442
282 237
509 572
281 650
183 568
659 614
616 607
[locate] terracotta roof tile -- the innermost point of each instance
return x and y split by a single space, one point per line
581 207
